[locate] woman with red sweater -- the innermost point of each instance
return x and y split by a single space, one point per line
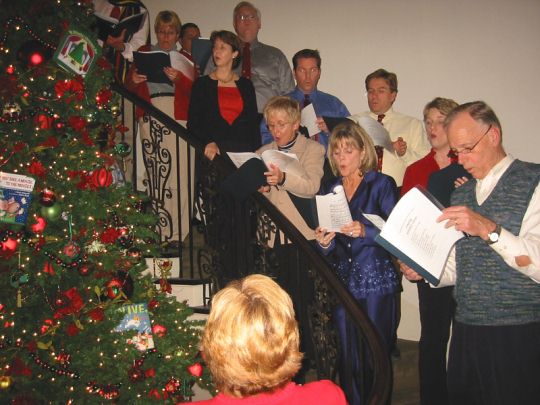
251 346
173 99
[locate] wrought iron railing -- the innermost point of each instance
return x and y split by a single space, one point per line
237 240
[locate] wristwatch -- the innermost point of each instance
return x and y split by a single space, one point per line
494 236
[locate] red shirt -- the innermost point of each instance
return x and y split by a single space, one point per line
318 392
230 103
417 173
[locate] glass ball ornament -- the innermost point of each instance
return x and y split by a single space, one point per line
47 197
51 213
122 149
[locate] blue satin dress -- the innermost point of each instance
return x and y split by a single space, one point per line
366 269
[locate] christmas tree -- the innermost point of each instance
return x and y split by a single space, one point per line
79 320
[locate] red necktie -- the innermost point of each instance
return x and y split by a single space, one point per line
115 13
379 149
246 61
307 100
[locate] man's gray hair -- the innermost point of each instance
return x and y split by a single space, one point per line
246 4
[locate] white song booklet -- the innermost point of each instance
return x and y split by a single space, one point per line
413 235
333 210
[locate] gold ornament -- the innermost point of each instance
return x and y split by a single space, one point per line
5 382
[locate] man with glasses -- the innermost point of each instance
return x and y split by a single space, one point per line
265 65
407 133
494 353
307 72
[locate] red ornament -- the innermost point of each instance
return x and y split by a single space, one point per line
10 70
159 330
10 245
149 373
153 304
72 249
63 358
43 121
101 178
196 369
135 374
47 197
103 96
86 268
48 268
172 385
77 123
47 323
114 287
39 226
154 393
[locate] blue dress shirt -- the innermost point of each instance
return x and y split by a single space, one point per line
325 105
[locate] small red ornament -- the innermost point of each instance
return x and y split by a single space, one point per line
114 287
149 373
135 374
63 358
47 323
154 393
39 225
10 245
159 330
103 96
86 268
48 268
153 304
172 385
72 249
10 69
47 197
101 178
196 369
43 121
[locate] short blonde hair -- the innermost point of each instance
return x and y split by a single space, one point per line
251 339
170 18
352 134
282 103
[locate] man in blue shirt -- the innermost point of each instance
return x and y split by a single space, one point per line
307 72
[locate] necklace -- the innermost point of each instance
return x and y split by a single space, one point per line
227 80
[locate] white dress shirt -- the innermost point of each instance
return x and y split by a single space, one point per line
411 130
508 246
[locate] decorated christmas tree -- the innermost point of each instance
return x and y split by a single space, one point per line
79 320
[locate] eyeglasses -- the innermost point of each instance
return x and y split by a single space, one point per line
454 153
279 125
246 17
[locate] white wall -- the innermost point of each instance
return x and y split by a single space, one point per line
461 49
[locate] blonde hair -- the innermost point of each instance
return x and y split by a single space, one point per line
251 339
352 134
281 103
170 18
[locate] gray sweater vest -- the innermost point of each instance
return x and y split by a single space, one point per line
488 291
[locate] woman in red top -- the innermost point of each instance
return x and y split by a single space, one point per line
251 346
223 110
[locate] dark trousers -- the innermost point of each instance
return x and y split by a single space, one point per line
436 312
494 365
